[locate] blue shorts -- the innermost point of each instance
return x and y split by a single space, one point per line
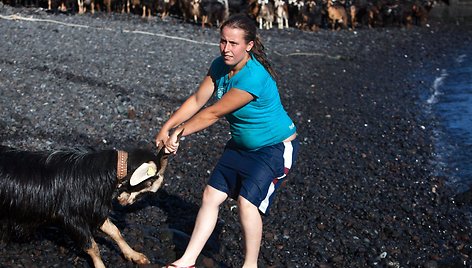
254 175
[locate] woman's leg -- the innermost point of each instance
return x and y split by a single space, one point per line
251 222
204 225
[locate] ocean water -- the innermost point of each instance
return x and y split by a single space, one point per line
449 102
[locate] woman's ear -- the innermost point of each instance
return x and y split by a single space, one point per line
249 46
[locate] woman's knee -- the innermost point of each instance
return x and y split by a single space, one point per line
212 196
245 204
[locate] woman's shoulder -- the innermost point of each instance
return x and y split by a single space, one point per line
255 71
254 78
255 67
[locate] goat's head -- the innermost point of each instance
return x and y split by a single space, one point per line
146 173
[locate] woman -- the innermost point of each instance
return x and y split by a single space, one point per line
263 142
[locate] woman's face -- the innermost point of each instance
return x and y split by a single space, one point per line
233 47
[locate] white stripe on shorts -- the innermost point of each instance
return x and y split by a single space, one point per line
288 152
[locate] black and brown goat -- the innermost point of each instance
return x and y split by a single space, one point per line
74 189
164 7
214 12
416 13
312 16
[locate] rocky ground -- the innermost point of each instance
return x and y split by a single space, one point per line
363 193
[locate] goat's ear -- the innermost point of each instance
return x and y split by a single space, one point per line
142 173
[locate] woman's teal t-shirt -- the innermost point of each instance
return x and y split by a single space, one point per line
261 122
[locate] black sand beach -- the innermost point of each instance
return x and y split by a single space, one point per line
363 193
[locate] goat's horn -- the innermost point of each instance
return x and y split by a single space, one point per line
164 157
180 134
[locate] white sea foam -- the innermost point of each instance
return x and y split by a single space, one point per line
461 58
436 88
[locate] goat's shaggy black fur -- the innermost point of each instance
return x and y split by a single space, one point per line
70 188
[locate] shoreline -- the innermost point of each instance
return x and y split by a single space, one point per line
361 195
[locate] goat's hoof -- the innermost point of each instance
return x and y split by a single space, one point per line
139 258
142 260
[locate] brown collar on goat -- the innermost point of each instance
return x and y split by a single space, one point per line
121 168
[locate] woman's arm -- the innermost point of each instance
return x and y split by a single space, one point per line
188 109
231 101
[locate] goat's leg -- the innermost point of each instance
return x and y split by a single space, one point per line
80 3
94 253
130 254
80 231
204 21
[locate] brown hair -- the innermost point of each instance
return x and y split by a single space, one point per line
245 23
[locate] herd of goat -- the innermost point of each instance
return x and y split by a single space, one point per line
309 15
